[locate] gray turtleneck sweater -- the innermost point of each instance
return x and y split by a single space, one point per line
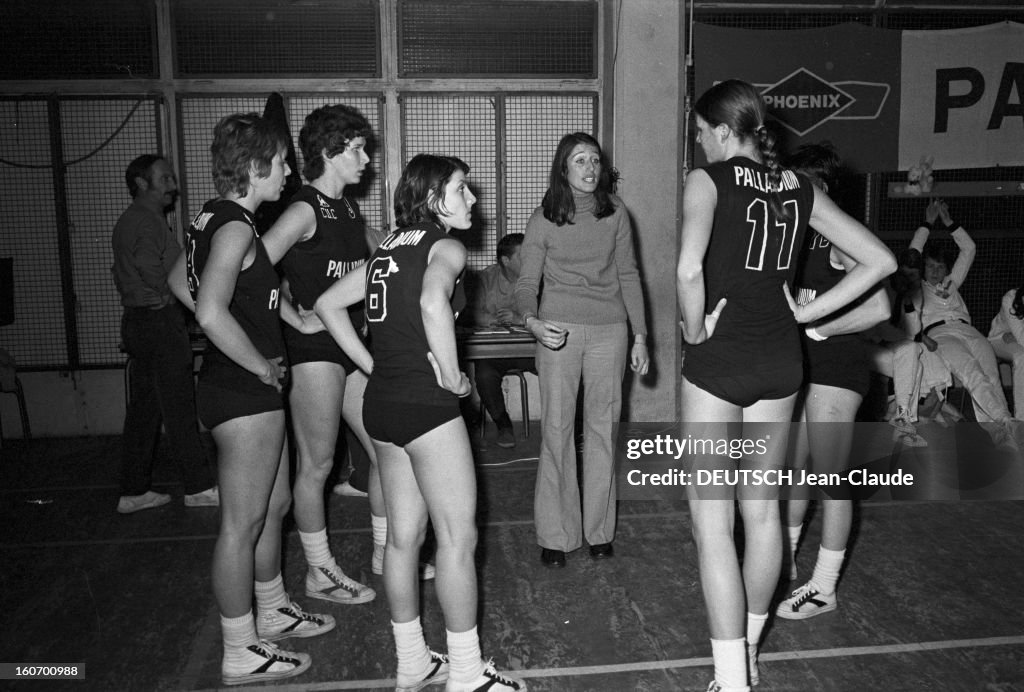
588 267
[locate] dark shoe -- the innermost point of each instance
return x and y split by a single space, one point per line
602 551
506 438
552 558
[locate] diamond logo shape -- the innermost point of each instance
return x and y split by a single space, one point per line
802 101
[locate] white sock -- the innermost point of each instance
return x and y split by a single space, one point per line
270 595
794 537
379 526
755 625
465 663
413 654
316 548
826 569
238 633
730 656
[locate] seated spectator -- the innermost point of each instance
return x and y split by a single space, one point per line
494 305
946 322
1007 338
899 353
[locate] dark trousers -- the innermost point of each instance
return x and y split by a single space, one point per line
161 392
489 372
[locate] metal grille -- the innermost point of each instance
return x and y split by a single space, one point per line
472 38
96 196
947 20
534 126
261 37
370 193
198 116
463 126
62 39
29 218
781 19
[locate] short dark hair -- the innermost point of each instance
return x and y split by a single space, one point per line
330 129
508 244
241 140
818 161
140 167
419 195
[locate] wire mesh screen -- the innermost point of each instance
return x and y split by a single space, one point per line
370 192
198 116
463 126
960 19
534 124
262 37
100 138
473 38
781 19
27 211
67 39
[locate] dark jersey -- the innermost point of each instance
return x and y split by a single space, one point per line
751 253
254 304
337 246
394 284
816 275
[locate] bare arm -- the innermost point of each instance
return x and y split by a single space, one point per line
332 309
874 261
228 251
177 280
445 262
297 223
872 308
699 200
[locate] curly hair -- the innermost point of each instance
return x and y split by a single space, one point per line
326 132
243 142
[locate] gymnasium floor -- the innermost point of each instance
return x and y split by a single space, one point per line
930 599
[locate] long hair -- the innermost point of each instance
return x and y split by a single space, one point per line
419 196
558 204
328 130
242 141
740 106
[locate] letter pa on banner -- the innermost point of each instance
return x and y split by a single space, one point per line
963 97
839 84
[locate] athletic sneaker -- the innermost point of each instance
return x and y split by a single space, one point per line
291 621
911 439
490 680
436 674
427 570
806 602
346 489
264 661
331 584
713 686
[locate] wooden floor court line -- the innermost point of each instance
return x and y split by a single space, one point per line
642 666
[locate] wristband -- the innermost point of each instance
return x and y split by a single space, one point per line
812 333
908 307
640 339
928 224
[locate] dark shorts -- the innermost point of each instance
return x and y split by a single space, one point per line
748 388
316 348
216 404
844 363
401 422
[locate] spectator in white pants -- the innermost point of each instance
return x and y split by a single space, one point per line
1006 336
963 349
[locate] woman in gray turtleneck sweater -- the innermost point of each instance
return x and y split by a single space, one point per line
580 242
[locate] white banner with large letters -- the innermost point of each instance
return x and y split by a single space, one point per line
962 97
